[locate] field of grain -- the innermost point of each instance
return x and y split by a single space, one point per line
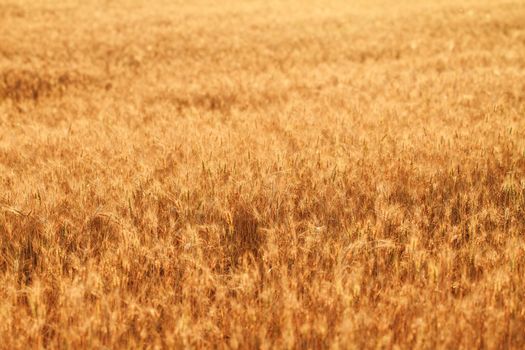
262 174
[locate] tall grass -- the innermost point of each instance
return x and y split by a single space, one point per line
298 174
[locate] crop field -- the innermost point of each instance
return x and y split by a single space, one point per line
262 174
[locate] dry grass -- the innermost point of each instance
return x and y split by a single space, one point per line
262 174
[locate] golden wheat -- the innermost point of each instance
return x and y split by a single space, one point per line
262 174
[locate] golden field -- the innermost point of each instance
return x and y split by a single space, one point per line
262 174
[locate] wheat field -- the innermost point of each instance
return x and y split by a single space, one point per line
262 174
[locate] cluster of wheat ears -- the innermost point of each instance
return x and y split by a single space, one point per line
262 174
